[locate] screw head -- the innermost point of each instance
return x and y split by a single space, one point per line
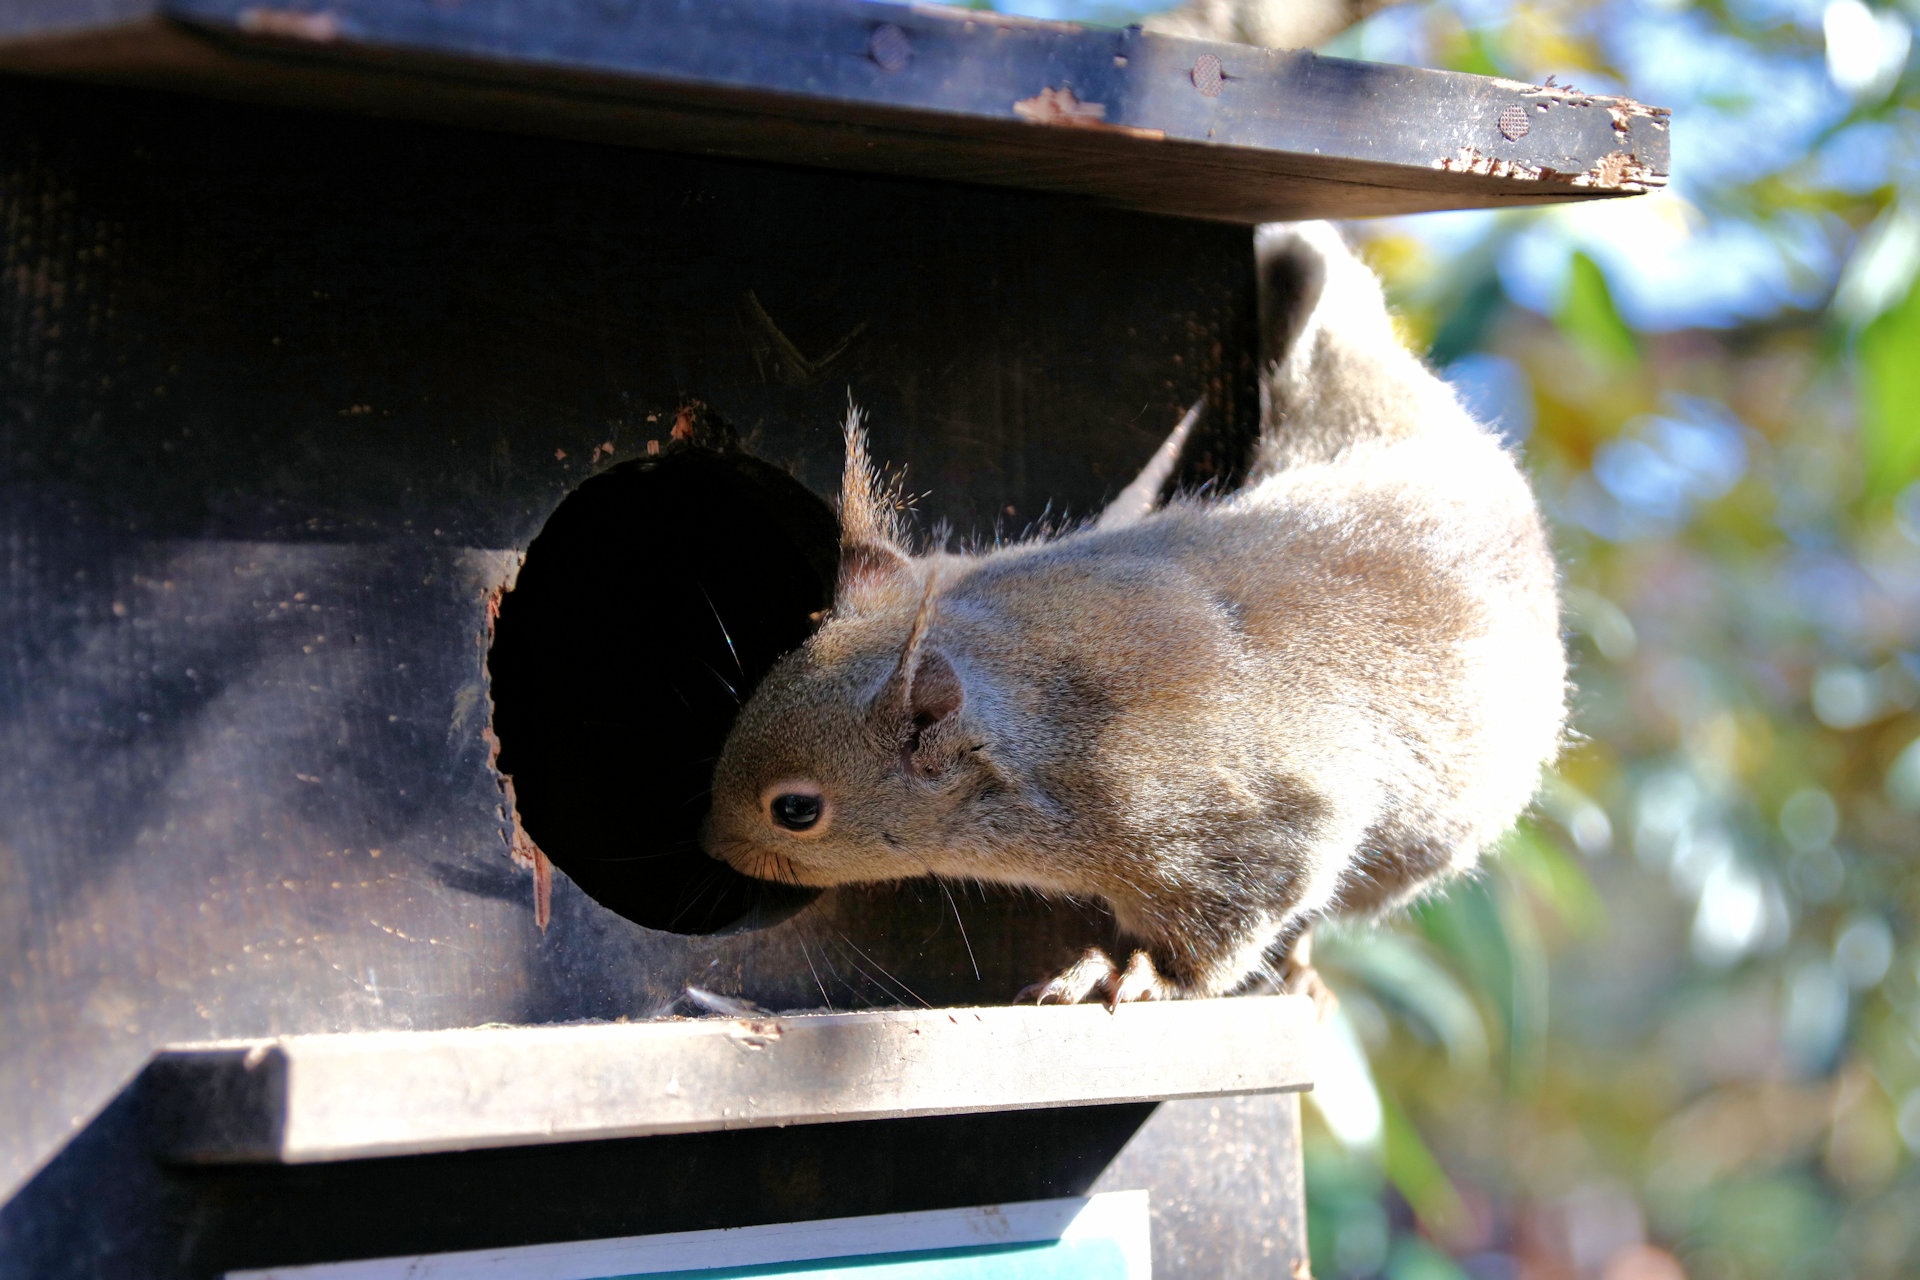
889 47
1513 123
1207 76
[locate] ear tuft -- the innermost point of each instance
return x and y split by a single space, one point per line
864 565
1140 498
872 549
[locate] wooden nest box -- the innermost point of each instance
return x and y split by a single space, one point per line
316 315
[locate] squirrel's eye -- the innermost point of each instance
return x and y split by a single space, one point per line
796 812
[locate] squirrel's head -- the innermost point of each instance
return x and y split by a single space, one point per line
856 758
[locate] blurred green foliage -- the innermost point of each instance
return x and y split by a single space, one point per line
1589 321
1890 395
1673 1028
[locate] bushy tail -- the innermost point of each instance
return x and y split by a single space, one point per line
1337 375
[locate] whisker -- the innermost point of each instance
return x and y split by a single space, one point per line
963 926
872 981
839 979
883 969
808 957
724 634
693 899
731 691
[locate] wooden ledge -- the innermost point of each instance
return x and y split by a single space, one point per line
1184 127
304 1099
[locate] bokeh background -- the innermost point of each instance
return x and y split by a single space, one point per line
1672 1030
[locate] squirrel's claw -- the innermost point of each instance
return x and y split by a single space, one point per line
1095 976
1090 973
1140 981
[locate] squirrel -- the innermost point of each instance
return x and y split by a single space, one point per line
1224 717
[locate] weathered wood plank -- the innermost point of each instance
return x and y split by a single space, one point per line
1228 132
287 394
302 1099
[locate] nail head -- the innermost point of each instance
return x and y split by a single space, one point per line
889 47
1207 76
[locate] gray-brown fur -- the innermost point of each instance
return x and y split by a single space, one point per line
1224 718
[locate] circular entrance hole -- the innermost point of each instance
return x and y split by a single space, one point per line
653 601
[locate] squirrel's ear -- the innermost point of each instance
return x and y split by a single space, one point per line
928 729
935 692
870 543
918 708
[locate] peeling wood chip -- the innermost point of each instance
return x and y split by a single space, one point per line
1619 108
1473 160
1620 171
542 889
1623 110
987 17
1061 107
290 23
756 1034
525 853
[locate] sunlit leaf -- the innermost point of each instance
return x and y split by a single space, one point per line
1344 1216
1345 1093
1889 388
1403 974
1415 1259
1415 1174
1527 997
1559 881
1475 52
1465 924
1487 931
1592 322
1477 299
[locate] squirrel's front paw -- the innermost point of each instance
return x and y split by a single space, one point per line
1095 976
